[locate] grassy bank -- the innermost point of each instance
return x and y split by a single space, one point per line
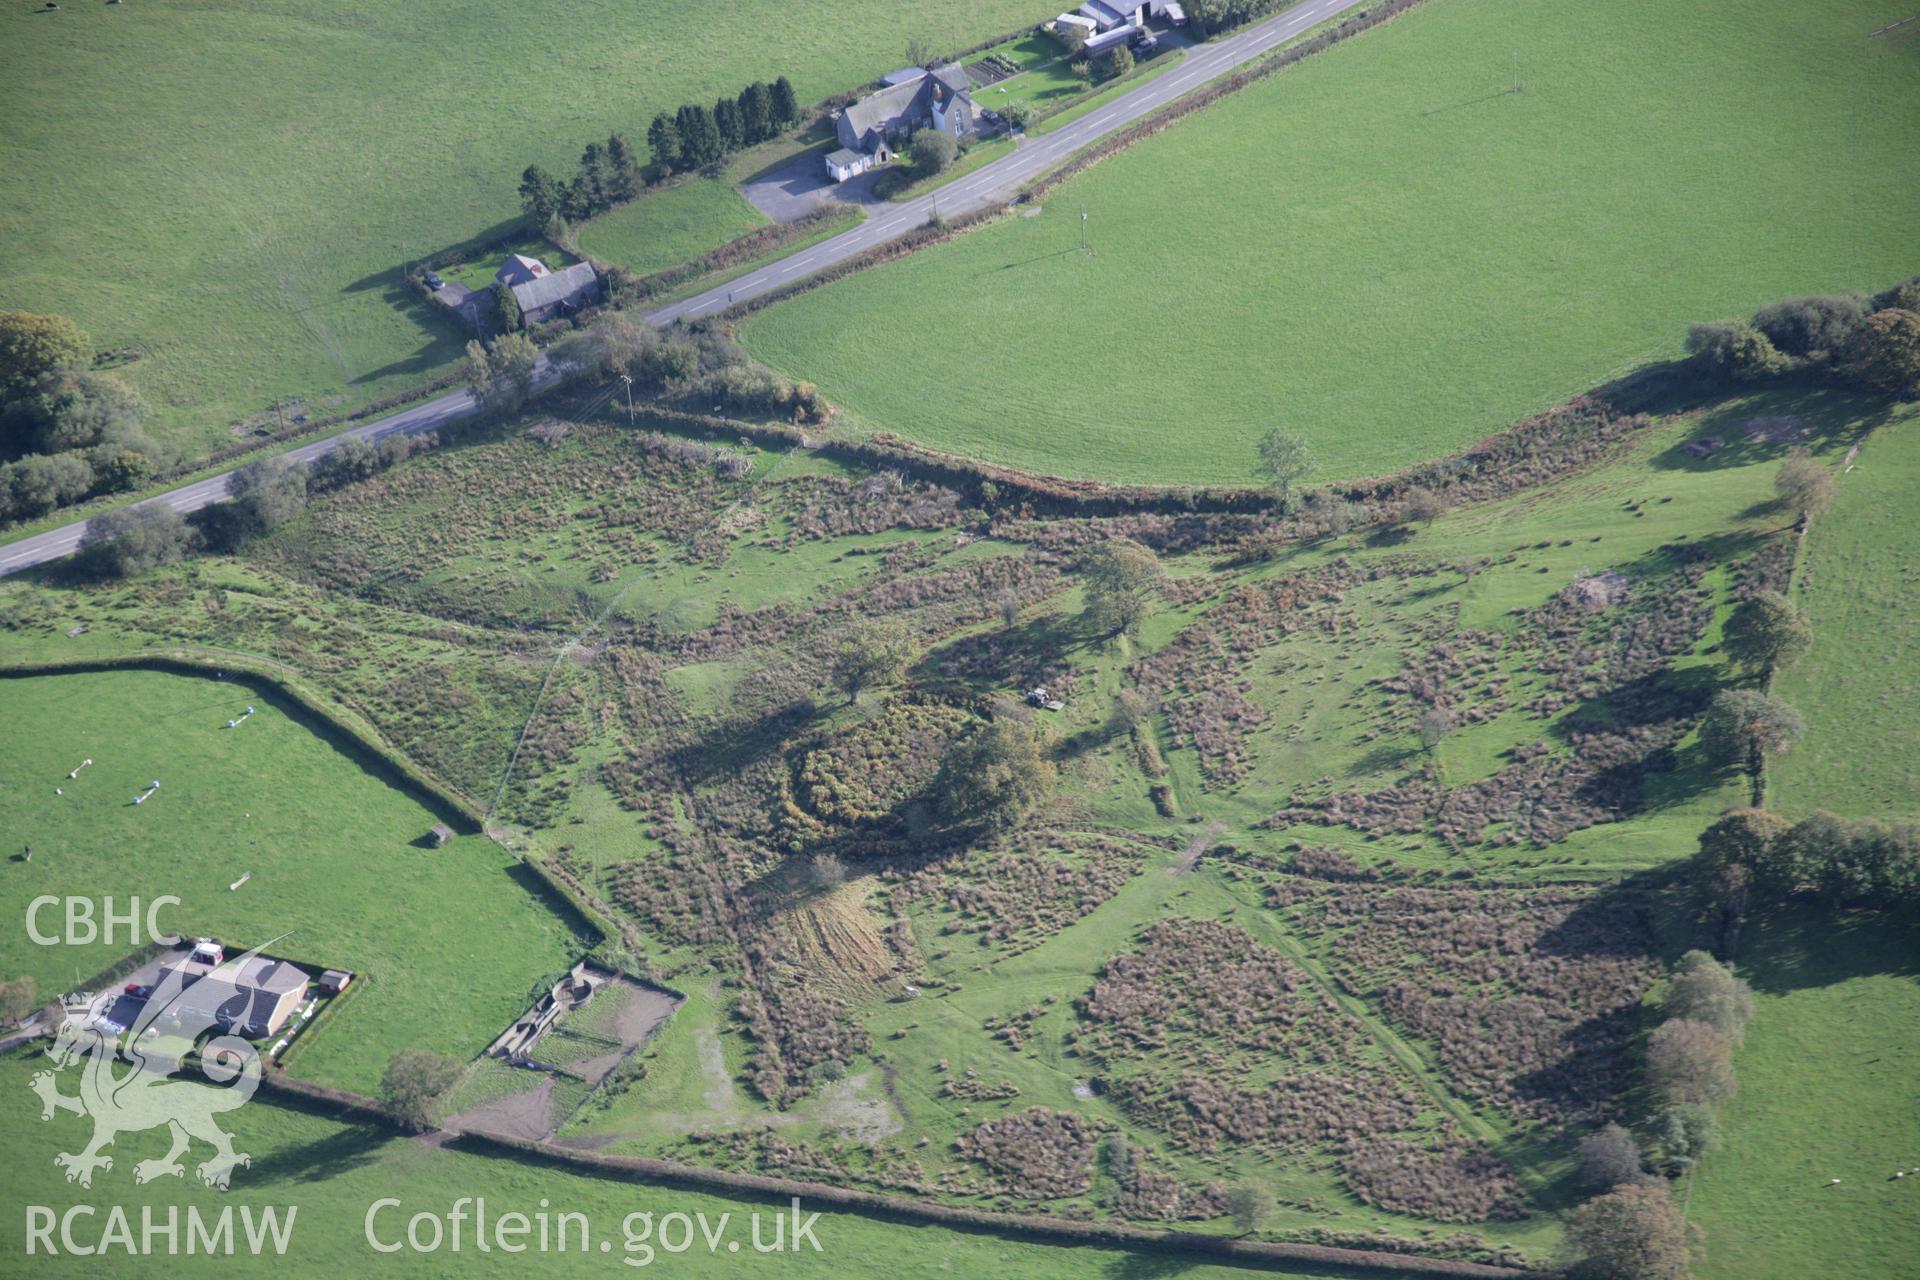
1856 686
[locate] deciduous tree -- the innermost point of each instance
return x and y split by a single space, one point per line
1689 1061
1123 580
32 345
995 775
1746 725
18 996
413 1083
872 653
1735 350
1285 460
1767 633
1704 990
933 152
1249 1204
1885 350
1608 1158
133 540
1804 484
1631 1233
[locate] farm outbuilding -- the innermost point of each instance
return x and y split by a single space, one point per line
254 999
440 834
846 162
334 981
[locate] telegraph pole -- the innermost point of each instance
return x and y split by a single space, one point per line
1084 247
1513 62
629 381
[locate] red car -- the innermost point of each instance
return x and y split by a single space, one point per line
139 990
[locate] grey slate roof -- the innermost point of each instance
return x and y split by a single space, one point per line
913 99
519 268
843 157
559 286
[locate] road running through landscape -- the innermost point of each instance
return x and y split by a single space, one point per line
991 184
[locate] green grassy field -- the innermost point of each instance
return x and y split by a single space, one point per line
1827 1090
1385 251
332 1173
666 228
260 259
329 847
1856 686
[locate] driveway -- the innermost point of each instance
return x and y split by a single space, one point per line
790 189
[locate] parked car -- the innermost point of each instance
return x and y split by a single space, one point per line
434 281
1144 42
139 990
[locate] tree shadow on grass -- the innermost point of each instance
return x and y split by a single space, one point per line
496 237
1827 418
323 1159
1010 658
730 748
1806 945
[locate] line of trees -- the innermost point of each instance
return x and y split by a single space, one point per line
1631 1229
696 136
1872 342
67 431
609 174
1843 862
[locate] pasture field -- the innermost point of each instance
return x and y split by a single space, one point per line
332 1172
1386 251
244 186
447 942
1827 1090
1856 687
667 227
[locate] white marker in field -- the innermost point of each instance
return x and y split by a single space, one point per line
142 797
77 768
237 883
235 724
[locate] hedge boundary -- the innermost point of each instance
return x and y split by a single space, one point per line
1048 1230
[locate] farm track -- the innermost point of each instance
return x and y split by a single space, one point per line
985 187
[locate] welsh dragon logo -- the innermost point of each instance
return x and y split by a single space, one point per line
124 1074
